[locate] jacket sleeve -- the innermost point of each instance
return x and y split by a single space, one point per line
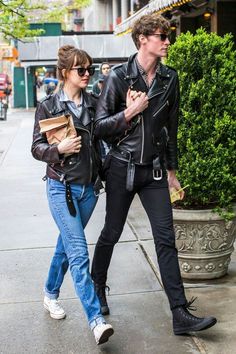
40 148
171 151
110 120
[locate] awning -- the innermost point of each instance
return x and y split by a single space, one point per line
158 6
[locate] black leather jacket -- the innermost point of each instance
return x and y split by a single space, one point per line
78 168
153 132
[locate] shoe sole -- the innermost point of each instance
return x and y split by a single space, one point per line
55 317
195 328
105 336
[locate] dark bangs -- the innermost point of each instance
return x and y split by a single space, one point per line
82 57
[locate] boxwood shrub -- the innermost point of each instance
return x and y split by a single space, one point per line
207 125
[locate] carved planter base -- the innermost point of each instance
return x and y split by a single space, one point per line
204 242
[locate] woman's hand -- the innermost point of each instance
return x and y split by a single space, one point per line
174 183
136 102
70 145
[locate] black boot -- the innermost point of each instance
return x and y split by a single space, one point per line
184 322
101 293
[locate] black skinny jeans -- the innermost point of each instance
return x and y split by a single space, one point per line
155 199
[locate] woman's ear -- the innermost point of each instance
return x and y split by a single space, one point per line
63 73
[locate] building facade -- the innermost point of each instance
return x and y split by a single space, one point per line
118 15
105 15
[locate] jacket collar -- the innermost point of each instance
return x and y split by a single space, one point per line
159 83
64 98
60 106
132 71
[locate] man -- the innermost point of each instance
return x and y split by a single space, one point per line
137 112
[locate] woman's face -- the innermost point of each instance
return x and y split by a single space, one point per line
105 69
78 78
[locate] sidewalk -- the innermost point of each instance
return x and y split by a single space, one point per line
139 309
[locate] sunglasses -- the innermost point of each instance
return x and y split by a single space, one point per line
162 36
81 71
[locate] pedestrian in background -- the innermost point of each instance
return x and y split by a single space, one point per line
70 186
103 72
138 113
97 90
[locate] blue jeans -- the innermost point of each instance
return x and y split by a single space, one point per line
71 249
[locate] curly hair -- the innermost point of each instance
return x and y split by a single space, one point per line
147 25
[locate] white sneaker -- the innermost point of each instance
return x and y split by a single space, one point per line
102 332
54 308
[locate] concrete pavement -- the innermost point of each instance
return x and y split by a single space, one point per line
139 308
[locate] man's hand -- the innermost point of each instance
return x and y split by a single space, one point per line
131 96
174 183
136 102
70 145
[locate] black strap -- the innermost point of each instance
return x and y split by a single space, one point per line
69 200
156 164
98 186
130 175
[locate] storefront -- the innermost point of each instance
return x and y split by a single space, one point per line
185 15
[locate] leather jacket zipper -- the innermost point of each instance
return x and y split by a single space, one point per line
126 134
142 122
161 108
157 94
142 149
91 161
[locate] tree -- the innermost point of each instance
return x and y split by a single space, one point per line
16 15
14 19
58 10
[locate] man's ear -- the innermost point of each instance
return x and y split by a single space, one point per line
142 39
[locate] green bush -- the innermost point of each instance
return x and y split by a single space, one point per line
207 126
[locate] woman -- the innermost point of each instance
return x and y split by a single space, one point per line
103 72
70 185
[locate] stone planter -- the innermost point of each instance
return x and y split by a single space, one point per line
205 243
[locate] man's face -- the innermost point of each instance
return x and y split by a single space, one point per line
156 43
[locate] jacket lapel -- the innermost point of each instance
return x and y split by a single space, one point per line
137 83
88 111
60 108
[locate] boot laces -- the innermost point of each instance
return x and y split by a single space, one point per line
189 306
